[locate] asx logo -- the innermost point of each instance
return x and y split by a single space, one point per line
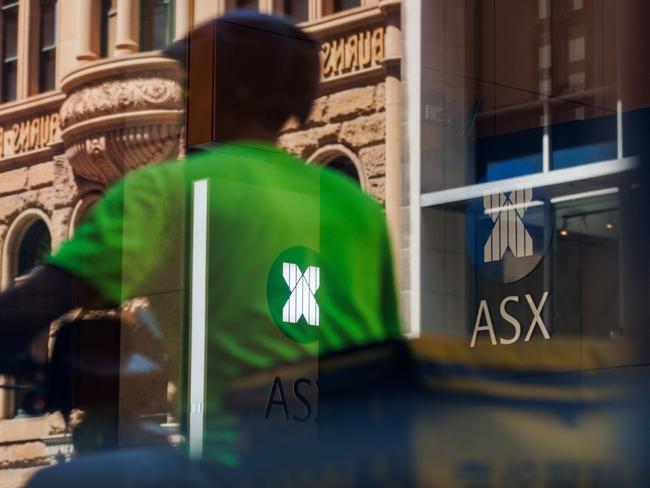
509 231
302 301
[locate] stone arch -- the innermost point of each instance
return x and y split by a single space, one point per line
14 239
83 205
331 153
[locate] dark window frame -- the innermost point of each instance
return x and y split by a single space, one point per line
6 6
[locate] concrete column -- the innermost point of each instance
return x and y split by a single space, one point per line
84 31
392 63
182 21
126 36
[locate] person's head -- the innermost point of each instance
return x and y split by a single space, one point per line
266 71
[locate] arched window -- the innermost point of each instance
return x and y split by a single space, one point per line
342 159
81 209
27 244
345 166
35 245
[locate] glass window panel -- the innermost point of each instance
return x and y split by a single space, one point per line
10 32
9 71
47 54
246 4
47 71
48 23
298 10
584 141
155 31
333 6
108 28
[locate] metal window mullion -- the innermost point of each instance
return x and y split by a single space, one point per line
198 318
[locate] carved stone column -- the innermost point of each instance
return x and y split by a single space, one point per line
84 26
182 21
126 35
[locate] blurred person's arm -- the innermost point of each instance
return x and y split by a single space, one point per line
87 271
27 309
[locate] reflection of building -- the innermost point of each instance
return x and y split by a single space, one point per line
542 95
85 96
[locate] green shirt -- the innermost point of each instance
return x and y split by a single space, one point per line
298 258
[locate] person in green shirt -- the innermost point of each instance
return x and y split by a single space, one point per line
270 260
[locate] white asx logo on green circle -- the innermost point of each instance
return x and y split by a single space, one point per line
292 293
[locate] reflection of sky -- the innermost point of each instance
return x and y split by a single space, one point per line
590 153
572 143
509 155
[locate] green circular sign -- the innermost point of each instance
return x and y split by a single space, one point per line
292 293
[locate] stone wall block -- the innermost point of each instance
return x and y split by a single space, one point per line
373 159
352 102
377 188
60 225
364 131
304 143
16 478
10 207
13 181
53 197
298 143
24 454
290 125
380 97
41 175
318 111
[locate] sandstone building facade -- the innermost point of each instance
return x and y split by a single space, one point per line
85 96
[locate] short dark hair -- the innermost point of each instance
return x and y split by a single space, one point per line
267 69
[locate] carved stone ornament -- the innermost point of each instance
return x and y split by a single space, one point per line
113 96
121 115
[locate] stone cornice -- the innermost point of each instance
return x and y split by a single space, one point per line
31 105
344 22
119 95
118 67
120 114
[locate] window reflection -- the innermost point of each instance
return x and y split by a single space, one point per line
334 6
35 245
298 10
9 28
344 166
47 47
108 26
156 28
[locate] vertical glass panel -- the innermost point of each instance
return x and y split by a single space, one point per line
9 71
246 4
10 31
47 70
48 23
333 6
298 10
108 28
155 27
47 58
